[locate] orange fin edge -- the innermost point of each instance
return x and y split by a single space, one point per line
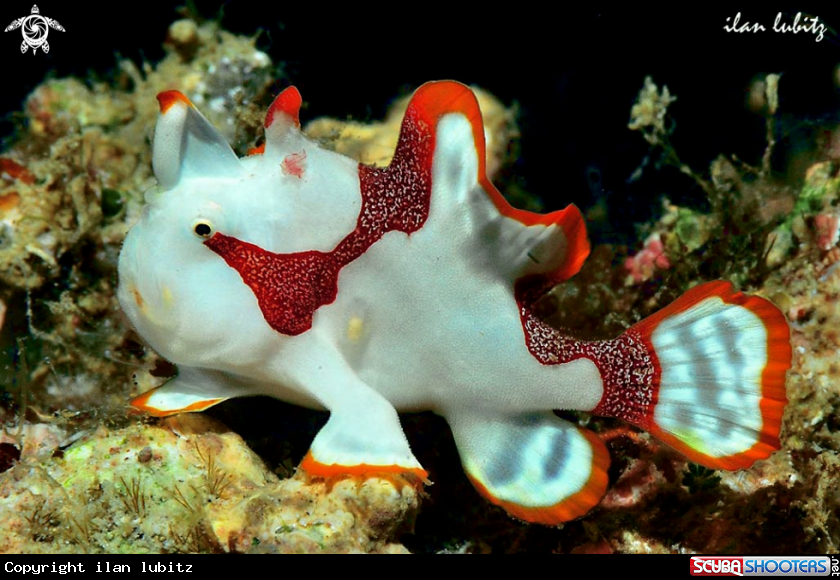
315 468
141 404
435 99
773 392
573 507
167 99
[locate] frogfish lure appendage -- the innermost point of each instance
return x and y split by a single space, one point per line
298 273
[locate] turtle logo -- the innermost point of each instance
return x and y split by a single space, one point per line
35 28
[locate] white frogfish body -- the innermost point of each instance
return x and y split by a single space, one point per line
298 273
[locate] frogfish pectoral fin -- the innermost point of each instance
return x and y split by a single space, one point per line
191 391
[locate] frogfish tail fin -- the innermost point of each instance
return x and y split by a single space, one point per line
713 384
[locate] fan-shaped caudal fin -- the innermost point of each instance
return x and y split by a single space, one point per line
188 144
717 383
553 244
538 467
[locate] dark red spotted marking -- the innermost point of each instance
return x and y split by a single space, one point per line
291 287
628 365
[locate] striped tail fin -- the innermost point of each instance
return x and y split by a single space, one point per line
717 392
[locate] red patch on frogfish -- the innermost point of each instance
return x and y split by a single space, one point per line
167 99
294 164
287 103
627 364
291 287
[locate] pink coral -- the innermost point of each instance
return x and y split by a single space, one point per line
642 265
827 226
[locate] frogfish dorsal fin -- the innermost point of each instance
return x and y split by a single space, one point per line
187 144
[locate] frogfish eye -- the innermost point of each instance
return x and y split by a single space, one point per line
203 229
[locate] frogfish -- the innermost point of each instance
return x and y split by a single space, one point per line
302 274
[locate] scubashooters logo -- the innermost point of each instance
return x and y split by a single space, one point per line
761 566
708 566
35 29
